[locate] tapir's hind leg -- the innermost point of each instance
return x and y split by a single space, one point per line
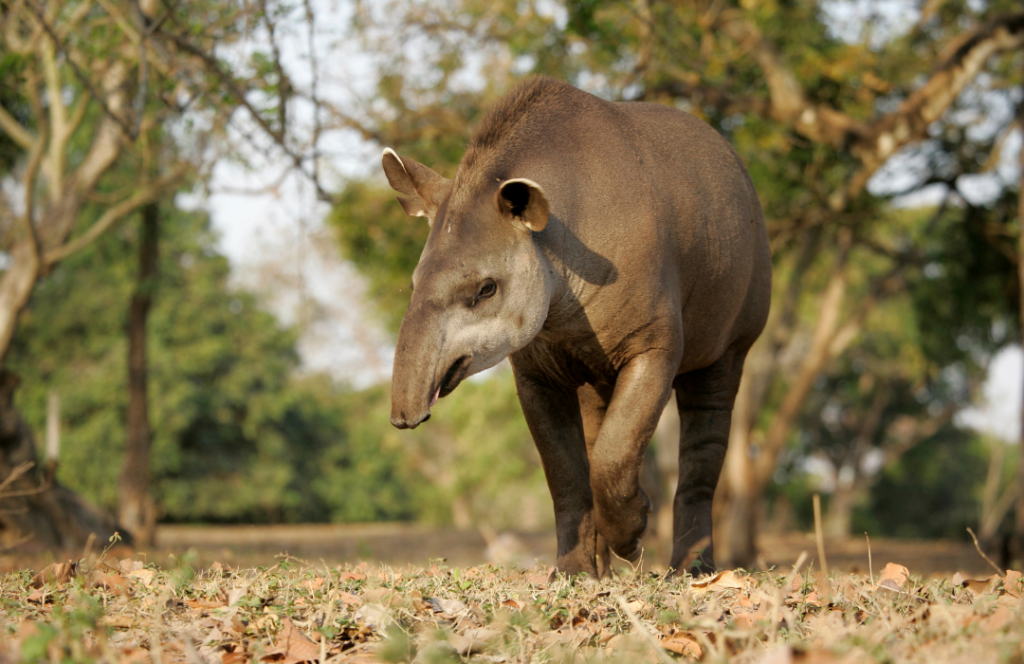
705 398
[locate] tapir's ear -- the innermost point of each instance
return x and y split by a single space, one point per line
523 201
423 188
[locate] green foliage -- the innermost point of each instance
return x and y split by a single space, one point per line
472 464
968 295
14 103
382 241
236 434
932 491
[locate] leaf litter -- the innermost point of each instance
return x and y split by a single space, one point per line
125 611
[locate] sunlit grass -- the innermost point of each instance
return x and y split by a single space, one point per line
124 611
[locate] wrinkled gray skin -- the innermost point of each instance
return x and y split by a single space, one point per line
615 252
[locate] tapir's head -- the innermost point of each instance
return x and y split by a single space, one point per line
481 290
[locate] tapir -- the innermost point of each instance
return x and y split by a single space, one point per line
613 252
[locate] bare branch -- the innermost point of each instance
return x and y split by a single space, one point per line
812 364
910 121
17 472
79 74
32 172
115 213
23 137
59 135
789 104
277 135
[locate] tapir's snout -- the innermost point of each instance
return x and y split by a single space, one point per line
400 421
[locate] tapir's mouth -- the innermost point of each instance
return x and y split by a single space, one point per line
452 377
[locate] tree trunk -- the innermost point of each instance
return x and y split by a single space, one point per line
1019 521
739 528
35 510
136 510
839 513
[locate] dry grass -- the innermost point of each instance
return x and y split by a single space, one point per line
123 611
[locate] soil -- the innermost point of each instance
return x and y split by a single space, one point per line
401 544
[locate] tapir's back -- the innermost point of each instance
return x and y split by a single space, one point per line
711 211
656 194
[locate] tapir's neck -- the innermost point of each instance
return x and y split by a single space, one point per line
563 286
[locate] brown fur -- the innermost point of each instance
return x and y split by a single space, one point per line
515 110
628 258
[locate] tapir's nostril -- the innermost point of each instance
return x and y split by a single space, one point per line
402 422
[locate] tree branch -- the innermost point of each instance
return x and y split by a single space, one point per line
213 66
23 137
812 364
79 74
32 172
115 213
967 57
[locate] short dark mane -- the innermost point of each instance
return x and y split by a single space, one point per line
501 121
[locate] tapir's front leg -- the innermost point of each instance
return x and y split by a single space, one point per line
553 414
642 389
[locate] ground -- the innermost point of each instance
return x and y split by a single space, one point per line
114 607
400 544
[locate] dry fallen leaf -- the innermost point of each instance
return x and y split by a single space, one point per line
473 641
636 606
1002 617
235 654
352 576
537 579
143 576
382 596
348 599
117 622
116 582
292 646
742 621
726 580
313 584
57 573
200 604
682 644
452 607
1012 583
894 576
126 566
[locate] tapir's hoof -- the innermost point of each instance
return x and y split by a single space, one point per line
574 564
631 553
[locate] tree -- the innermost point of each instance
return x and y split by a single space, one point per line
238 434
109 106
136 510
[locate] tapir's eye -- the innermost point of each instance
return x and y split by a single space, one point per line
487 289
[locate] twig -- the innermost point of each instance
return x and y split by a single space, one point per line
871 570
18 471
999 570
639 626
639 566
819 536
